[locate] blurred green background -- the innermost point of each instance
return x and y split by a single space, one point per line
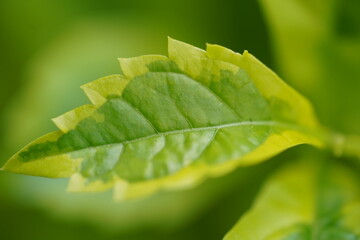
50 48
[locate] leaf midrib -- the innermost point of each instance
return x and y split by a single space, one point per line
217 127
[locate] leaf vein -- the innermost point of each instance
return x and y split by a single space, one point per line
141 113
161 134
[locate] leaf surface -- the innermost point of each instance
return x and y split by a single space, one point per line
304 201
169 122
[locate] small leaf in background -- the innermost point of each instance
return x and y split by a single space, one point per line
169 122
304 200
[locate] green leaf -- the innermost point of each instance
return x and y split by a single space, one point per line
169 122
304 201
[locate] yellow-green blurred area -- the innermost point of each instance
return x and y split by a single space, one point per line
50 48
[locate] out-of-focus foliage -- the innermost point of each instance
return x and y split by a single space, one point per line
169 122
324 203
317 45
